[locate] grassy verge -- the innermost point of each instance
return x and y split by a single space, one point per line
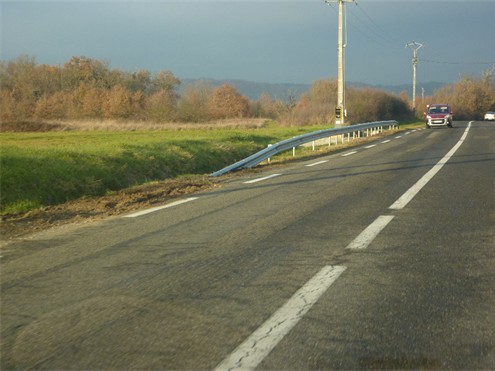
49 168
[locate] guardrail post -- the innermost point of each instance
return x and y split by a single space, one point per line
369 128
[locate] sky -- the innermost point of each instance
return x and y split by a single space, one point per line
277 41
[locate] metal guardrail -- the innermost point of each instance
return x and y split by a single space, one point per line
284 145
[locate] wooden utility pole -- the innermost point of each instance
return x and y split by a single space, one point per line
340 109
415 46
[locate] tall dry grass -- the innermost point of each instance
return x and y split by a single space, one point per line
130 125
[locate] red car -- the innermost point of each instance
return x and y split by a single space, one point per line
439 115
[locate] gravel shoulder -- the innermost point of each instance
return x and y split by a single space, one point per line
86 210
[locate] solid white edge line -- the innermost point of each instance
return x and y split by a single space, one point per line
349 153
153 209
369 234
403 200
260 179
317 163
257 346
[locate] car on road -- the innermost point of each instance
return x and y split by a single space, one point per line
490 116
439 115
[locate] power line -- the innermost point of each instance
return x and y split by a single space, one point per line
369 35
383 34
385 43
447 62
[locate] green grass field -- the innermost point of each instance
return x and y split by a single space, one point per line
49 168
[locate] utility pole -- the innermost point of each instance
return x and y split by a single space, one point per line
340 110
415 46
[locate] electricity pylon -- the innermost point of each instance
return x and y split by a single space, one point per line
340 109
415 46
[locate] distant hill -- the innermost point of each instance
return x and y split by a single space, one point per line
253 90
430 87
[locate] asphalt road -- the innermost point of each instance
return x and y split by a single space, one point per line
307 267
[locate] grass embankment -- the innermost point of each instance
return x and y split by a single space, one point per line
48 168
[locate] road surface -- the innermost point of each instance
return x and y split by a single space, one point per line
381 257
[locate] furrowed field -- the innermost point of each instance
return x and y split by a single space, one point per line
49 168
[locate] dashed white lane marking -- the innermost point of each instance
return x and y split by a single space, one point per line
369 234
398 137
256 347
371 146
386 141
349 153
411 192
317 163
261 179
153 209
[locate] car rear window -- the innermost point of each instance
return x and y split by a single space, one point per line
438 109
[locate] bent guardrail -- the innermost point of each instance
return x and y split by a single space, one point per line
284 145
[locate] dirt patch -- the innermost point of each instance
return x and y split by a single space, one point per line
29 126
96 208
89 209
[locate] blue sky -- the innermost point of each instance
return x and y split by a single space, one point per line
264 41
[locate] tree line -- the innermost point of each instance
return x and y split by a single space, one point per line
86 88
470 97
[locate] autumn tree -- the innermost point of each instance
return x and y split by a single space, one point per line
193 103
164 80
137 81
161 106
226 102
314 107
52 106
88 71
265 107
17 79
470 97
118 103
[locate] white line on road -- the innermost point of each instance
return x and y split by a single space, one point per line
369 234
398 137
153 209
260 179
349 153
317 163
411 192
386 141
371 146
256 347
